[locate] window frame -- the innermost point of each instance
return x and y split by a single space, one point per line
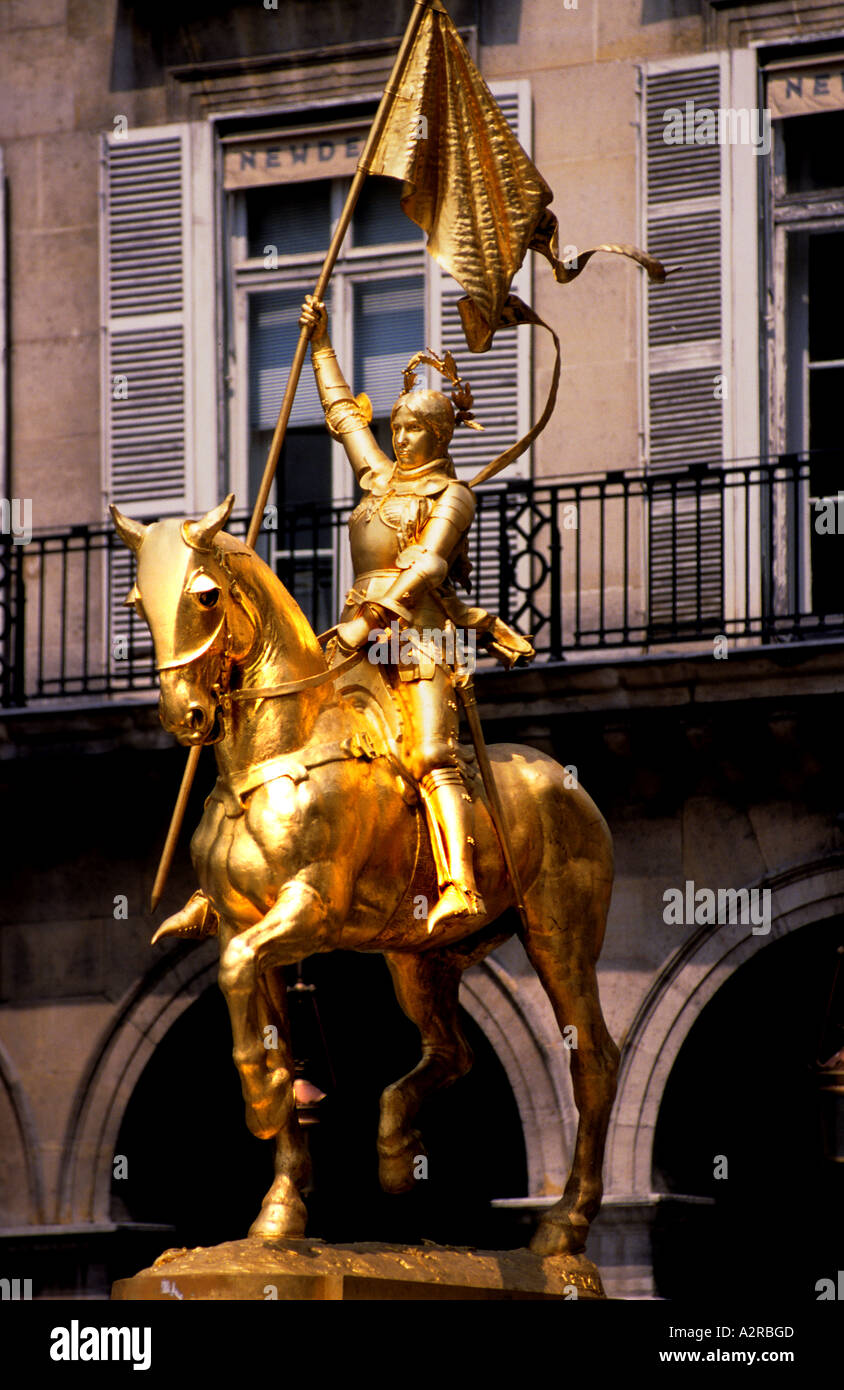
390 260
793 214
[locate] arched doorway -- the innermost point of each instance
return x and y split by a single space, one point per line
192 1163
739 1125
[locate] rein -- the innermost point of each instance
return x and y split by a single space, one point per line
297 766
267 692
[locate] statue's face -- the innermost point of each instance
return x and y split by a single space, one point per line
413 443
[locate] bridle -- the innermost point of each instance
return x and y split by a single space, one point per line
225 697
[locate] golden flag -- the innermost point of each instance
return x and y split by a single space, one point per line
468 182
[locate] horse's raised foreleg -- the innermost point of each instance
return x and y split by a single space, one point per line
293 928
266 1077
427 988
565 962
250 979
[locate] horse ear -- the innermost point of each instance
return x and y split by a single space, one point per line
200 534
131 532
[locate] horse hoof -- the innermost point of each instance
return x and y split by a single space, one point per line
560 1238
397 1170
278 1221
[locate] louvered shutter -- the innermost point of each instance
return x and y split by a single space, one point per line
685 358
389 324
144 265
500 381
159 339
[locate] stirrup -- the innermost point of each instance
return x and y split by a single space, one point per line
453 903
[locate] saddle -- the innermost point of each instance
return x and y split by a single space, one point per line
366 691
380 734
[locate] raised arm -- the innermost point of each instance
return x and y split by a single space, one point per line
344 415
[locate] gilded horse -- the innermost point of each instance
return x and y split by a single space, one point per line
313 839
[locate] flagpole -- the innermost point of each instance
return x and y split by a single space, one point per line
420 8
381 117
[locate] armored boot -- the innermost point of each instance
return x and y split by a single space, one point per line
449 810
196 919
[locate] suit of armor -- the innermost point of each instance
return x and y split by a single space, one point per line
407 534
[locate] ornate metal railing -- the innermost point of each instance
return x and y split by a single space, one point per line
750 553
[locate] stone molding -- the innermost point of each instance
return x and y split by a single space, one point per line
27 1136
531 1052
308 78
498 1004
141 1020
730 25
801 895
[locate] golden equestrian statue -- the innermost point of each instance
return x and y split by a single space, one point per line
314 839
343 796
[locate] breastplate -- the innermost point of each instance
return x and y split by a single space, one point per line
380 528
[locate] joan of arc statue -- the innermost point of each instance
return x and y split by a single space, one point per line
408 543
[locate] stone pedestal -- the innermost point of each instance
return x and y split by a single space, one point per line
251 1270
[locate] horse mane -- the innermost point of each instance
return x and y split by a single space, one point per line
278 615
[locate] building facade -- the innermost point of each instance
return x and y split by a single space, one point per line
171 179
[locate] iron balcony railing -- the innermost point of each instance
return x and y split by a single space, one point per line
750 552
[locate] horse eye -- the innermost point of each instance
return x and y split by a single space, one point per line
208 597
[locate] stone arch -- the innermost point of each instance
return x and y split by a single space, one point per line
23 1153
524 1037
690 978
141 1020
504 1009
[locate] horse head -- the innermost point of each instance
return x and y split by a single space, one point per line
188 597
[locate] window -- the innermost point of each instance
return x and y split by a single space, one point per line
376 309
808 376
387 299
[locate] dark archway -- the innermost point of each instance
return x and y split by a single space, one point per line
742 1087
191 1162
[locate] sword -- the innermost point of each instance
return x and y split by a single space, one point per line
466 688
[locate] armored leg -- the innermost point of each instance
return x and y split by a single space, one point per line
449 810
